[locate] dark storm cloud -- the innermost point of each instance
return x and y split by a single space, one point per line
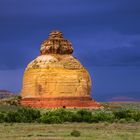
25 24
91 15
123 56
120 56
14 58
104 33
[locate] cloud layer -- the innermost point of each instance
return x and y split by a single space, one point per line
103 33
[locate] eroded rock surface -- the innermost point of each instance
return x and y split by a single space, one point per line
56 78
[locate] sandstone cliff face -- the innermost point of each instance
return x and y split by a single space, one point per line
56 73
56 78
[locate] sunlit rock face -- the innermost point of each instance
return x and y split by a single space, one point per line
55 78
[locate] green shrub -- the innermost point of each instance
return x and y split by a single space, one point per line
82 116
57 116
64 114
127 114
70 116
136 116
23 115
75 133
50 119
2 117
99 116
29 115
122 120
12 116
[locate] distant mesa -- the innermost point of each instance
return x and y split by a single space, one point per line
123 99
56 79
6 94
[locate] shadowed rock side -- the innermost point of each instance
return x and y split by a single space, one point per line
56 79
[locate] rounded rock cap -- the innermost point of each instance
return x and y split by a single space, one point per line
56 44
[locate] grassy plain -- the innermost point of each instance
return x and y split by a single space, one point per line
88 131
94 131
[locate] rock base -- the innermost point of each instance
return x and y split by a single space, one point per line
61 102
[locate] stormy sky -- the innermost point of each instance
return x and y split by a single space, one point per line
105 37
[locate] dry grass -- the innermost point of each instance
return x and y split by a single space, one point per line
121 105
99 131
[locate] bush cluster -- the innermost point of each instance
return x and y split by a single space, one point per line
25 115
75 133
28 115
127 115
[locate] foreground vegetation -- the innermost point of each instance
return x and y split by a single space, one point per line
29 115
87 131
117 121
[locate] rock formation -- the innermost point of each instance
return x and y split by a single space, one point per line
4 94
56 79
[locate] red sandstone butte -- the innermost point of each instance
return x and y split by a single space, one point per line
63 102
56 79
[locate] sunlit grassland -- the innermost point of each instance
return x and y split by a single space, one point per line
94 131
88 131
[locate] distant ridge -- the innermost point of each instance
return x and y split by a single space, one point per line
6 94
123 99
